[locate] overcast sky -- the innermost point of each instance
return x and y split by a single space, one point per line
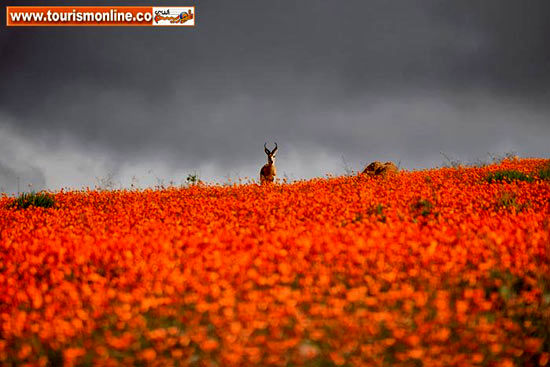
360 79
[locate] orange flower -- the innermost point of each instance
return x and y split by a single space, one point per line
337 359
416 353
477 358
24 352
461 306
70 354
356 294
543 360
209 345
506 363
532 345
149 354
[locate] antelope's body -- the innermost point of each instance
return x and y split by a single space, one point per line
269 171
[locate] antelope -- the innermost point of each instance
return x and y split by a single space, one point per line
269 171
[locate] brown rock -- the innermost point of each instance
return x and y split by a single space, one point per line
377 168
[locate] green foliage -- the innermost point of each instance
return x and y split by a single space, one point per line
358 218
508 176
378 211
544 172
40 199
423 206
508 200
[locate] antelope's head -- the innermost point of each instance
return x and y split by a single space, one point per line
270 154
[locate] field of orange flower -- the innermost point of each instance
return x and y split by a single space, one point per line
439 267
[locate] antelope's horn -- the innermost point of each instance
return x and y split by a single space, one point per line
266 150
275 149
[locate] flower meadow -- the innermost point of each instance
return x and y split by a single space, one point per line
439 267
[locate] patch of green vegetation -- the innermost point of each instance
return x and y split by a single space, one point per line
508 176
26 200
423 206
544 172
378 211
508 200
358 218
375 210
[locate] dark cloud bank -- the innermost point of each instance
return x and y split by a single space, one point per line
400 80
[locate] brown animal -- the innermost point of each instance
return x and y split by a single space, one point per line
377 168
269 171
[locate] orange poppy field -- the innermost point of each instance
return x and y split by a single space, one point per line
441 267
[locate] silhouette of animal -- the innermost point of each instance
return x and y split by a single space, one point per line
269 171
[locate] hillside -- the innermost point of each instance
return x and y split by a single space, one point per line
442 267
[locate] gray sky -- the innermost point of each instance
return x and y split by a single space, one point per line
367 80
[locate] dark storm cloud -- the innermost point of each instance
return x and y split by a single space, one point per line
366 79
515 56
